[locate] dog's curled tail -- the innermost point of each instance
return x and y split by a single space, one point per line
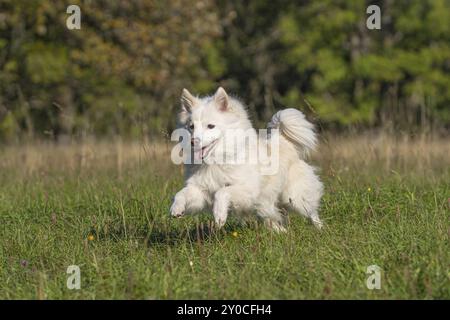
295 128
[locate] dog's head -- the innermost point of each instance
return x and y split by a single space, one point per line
208 119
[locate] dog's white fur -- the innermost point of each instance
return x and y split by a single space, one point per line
242 188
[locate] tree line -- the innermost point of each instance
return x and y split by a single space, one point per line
123 71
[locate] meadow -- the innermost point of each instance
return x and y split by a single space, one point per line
104 207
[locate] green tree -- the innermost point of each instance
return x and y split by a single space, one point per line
352 75
121 73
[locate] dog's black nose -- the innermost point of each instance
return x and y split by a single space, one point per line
195 141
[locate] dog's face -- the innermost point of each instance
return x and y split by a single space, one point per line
207 119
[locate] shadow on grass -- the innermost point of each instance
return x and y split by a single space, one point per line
198 234
168 235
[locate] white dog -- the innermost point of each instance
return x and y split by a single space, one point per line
243 187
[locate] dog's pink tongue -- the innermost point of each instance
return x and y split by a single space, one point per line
198 154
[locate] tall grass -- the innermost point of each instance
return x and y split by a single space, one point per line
384 152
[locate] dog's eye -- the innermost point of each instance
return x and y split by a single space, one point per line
191 127
211 126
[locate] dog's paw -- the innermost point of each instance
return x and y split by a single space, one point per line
317 223
220 221
220 218
177 210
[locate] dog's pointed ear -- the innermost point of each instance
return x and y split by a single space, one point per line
188 101
221 99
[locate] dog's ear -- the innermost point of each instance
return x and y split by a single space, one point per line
188 101
221 99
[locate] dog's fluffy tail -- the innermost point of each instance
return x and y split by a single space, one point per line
296 129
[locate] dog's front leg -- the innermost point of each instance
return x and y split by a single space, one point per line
237 196
220 207
188 199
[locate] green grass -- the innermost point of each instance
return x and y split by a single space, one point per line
400 224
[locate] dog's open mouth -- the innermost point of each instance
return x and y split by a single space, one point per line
202 153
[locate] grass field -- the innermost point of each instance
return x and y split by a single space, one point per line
104 207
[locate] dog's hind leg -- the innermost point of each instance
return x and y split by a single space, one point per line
303 192
307 209
271 215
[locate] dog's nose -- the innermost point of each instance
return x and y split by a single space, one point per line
195 141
